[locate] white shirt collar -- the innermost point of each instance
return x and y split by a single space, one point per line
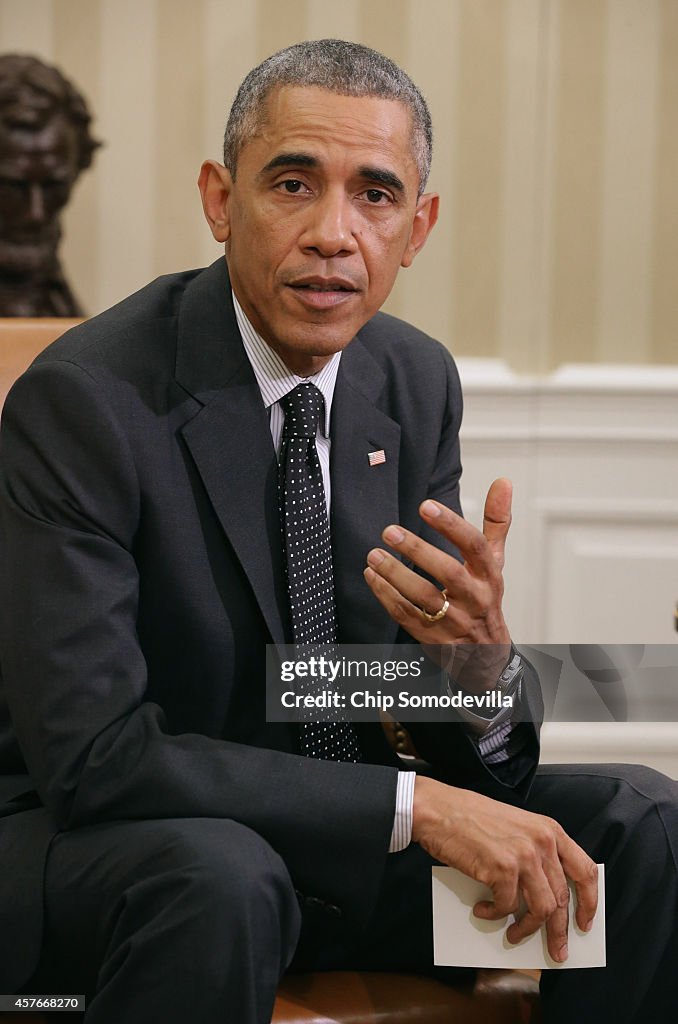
275 380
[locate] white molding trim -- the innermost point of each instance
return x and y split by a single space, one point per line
629 405
596 510
567 435
651 743
614 377
490 375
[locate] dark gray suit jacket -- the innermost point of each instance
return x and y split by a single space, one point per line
142 577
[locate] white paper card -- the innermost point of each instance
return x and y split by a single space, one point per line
462 940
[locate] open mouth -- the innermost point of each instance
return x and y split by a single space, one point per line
316 293
323 297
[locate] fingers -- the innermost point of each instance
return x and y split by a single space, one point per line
497 517
545 892
408 614
483 553
558 923
543 865
549 906
584 873
404 593
478 551
414 587
474 589
437 563
546 899
469 540
474 612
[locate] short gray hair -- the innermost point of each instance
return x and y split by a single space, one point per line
349 69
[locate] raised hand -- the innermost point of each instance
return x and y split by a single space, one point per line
473 590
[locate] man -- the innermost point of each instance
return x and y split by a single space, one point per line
192 850
45 144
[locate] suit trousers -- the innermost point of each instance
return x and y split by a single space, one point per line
197 919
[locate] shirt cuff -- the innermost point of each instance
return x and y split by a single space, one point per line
493 746
401 836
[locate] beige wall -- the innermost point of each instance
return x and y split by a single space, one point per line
557 154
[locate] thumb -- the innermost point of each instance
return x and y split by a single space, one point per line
497 516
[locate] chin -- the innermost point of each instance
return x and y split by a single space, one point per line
318 347
300 352
322 339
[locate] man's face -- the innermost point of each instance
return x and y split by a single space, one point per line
322 213
37 171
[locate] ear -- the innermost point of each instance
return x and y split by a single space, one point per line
215 184
425 216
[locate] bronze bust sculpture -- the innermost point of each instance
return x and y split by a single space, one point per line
45 143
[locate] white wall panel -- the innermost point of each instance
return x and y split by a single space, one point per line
610 573
592 555
654 744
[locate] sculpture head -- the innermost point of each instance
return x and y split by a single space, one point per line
45 143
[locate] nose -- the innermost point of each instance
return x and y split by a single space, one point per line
36 204
330 228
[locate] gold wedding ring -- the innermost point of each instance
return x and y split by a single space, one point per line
439 614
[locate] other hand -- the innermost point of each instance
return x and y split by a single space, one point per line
514 852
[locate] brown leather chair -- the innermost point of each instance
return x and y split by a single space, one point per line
20 342
341 997
349 997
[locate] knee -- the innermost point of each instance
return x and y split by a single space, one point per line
645 781
647 814
216 873
223 861
208 893
644 789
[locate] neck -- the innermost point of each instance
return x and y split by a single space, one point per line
300 363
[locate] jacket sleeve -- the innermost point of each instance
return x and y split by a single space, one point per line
75 674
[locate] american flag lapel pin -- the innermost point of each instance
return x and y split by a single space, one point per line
376 458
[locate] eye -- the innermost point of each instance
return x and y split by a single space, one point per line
292 186
14 186
376 196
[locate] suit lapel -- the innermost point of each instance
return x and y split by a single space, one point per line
230 440
364 497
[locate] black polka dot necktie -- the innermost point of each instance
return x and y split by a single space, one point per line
308 556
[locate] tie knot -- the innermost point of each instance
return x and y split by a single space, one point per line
302 408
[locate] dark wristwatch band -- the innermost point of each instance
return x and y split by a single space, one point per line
509 684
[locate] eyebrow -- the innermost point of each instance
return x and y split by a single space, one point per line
289 160
382 177
379 175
